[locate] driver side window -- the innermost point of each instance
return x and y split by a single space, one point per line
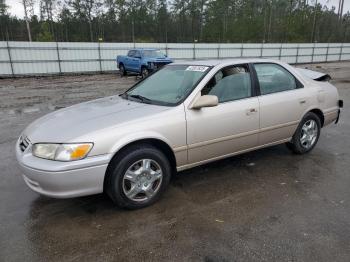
137 54
131 53
229 84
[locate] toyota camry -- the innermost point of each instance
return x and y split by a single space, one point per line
184 115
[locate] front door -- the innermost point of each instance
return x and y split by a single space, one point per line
230 127
135 61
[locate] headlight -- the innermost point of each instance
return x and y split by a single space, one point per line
62 152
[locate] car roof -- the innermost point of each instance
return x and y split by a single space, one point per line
215 62
145 49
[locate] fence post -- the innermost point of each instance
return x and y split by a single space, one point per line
298 47
58 58
242 50
194 50
313 52
327 52
218 50
10 58
341 51
280 53
99 55
166 49
261 50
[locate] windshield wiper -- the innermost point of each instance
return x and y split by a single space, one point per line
141 98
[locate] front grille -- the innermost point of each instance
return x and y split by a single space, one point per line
24 143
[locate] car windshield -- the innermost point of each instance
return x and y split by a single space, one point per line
168 86
153 53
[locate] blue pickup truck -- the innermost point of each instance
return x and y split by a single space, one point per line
142 61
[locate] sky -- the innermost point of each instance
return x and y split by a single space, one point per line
16 8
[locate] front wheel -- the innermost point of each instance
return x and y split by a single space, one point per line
122 70
138 176
307 134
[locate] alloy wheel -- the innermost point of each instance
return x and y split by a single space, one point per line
309 133
142 180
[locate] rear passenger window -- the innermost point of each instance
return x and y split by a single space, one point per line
230 83
274 78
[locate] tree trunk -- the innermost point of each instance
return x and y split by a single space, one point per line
91 33
27 20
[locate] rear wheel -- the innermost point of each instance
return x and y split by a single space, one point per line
122 70
144 72
307 134
138 176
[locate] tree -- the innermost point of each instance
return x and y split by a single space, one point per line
45 34
178 21
28 6
86 10
46 13
3 8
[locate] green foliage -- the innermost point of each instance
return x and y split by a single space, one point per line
223 21
3 8
44 34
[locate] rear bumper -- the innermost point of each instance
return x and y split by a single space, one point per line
63 179
340 104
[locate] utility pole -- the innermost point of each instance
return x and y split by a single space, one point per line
133 31
314 23
341 10
27 19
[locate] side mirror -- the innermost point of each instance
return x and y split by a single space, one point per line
205 101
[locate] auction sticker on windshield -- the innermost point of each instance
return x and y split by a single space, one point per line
197 68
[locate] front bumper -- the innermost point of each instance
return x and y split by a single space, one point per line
154 66
63 179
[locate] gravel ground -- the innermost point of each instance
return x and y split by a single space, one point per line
268 205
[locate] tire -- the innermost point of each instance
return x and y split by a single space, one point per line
122 70
144 72
307 134
127 174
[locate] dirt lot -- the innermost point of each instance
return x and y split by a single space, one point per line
267 205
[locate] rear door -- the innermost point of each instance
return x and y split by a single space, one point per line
283 101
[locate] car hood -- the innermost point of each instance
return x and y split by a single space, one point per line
67 125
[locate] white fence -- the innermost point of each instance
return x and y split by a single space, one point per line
39 58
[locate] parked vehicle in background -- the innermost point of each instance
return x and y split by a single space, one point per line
184 115
142 61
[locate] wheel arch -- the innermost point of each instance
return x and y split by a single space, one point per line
143 66
158 143
319 113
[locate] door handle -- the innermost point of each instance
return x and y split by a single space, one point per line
251 111
302 101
